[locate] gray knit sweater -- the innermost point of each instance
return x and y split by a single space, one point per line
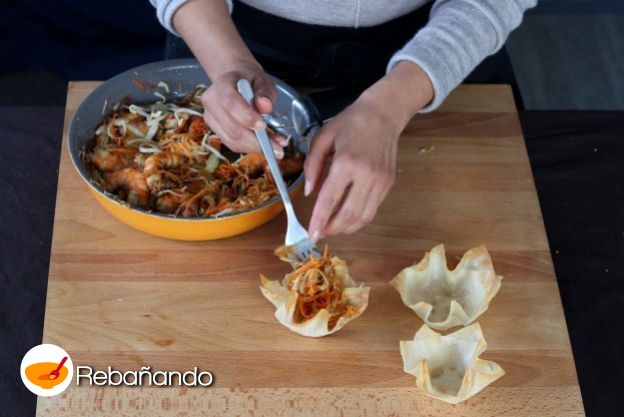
459 35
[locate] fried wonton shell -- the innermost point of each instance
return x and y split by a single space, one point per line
285 301
448 367
445 298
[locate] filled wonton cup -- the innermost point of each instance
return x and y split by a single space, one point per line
318 298
445 298
448 367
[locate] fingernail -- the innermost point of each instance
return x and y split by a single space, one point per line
307 188
279 153
316 235
260 124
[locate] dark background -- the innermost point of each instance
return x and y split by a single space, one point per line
568 55
46 43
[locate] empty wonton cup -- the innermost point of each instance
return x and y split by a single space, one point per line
443 298
347 301
448 367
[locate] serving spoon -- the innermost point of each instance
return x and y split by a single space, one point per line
56 373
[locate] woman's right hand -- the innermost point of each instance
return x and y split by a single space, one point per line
232 118
226 59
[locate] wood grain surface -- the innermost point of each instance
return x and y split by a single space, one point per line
122 298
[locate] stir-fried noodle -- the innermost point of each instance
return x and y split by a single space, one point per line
164 158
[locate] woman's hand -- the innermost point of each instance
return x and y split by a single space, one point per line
207 28
232 118
364 146
362 141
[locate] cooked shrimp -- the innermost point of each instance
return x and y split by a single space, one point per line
251 164
155 164
162 180
113 159
290 165
170 201
198 126
133 181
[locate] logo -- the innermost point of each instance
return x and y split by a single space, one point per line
47 370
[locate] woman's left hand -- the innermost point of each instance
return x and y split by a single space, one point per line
362 141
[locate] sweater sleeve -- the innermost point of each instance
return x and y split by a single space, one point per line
166 8
459 35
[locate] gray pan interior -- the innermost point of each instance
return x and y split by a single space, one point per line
293 115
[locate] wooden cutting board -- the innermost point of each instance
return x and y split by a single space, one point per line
120 298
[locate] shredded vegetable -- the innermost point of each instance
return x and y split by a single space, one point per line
316 285
163 85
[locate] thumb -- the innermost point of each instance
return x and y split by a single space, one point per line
265 94
315 160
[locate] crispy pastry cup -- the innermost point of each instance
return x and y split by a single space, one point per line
448 367
285 302
445 298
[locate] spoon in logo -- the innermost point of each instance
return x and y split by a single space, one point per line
55 373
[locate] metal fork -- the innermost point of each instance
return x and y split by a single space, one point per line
296 235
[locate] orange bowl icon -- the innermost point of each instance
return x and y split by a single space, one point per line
46 370
39 374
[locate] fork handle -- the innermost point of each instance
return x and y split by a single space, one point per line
244 88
